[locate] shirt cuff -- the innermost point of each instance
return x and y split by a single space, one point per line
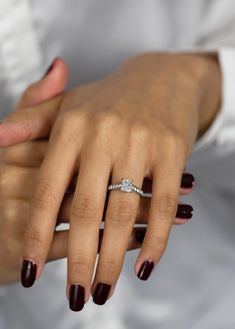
221 133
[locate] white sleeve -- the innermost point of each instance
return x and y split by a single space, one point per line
221 133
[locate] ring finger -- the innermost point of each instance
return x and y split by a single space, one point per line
119 220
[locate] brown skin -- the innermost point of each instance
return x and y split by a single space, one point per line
141 121
19 168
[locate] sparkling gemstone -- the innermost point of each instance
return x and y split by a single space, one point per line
126 185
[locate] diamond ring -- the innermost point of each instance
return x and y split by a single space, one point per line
126 186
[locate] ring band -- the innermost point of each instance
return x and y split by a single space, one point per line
126 186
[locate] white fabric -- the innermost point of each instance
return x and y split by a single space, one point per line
193 286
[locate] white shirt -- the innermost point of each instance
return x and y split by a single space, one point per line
193 285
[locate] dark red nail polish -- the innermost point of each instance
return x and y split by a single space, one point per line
76 297
184 211
28 273
101 293
188 181
145 270
139 235
50 67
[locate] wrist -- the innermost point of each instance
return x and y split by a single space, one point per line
201 72
198 74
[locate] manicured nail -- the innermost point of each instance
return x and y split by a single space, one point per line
139 235
101 293
188 181
76 297
184 211
145 270
28 273
50 67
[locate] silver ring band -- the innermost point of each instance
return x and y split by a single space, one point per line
126 186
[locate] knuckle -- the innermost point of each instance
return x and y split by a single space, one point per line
9 210
106 121
159 242
167 206
79 267
84 212
140 133
120 214
44 196
34 240
109 266
66 127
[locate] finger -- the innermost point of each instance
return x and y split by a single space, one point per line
186 186
184 211
49 190
59 246
29 123
119 220
51 85
27 154
35 121
183 214
166 183
18 182
86 215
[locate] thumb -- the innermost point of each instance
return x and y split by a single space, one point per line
52 84
37 109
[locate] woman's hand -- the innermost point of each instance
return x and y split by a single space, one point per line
140 122
19 167
16 185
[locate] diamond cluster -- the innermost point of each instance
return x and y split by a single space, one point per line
127 185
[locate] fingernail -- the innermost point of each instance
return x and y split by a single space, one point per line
76 297
188 181
145 270
184 211
101 293
139 235
50 67
28 273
